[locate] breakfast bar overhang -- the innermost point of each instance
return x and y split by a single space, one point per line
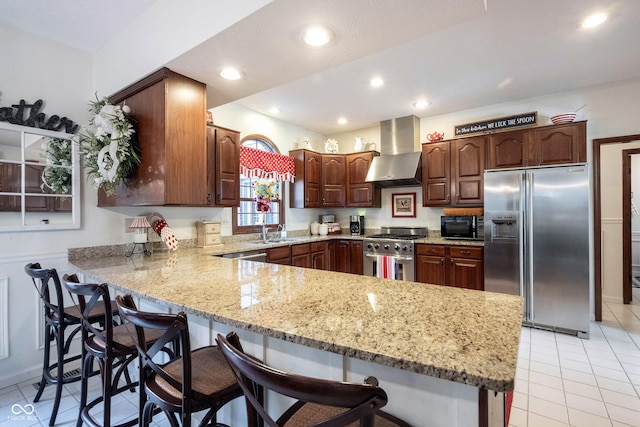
445 356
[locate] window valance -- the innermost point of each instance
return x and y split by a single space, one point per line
263 164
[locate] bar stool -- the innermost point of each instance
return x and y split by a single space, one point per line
199 380
319 402
111 345
57 318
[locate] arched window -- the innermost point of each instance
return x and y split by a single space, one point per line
247 218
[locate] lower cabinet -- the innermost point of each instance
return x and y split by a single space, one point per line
279 255
320 255
301 255
457 266
346 256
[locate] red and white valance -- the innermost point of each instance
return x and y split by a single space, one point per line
263 164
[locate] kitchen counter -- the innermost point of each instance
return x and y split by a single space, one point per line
459 335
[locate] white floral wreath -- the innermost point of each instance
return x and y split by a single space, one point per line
107 147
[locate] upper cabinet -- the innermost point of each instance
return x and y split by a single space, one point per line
542 146
169 113
453 172
333 181
39 179
305 191
223 154
359 192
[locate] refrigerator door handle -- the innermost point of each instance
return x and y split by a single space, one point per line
529 246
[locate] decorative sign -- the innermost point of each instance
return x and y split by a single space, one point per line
526 119
29 115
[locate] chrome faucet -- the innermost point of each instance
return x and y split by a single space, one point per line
264 228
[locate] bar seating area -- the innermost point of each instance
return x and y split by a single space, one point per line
62 324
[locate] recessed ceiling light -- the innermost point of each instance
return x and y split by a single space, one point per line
231 73
317 36
275 111
420 104
376 82
342 121
594 20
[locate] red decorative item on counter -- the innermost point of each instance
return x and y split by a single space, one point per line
160 226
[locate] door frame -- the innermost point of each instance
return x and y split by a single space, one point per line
597 216
627 292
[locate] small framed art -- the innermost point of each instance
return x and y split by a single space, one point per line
403 205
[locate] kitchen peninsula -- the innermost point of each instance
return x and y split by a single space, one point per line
432 347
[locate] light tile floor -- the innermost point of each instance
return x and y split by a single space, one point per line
561 381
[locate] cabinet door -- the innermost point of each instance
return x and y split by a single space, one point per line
560 144
431 269
32 181
281 255
466 273
508 150
333 181
320 255
430 264
359 192
436 177
467 169
356 261
341 256
10 177
226 182
300 256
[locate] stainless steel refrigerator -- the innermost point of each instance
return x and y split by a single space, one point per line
536 243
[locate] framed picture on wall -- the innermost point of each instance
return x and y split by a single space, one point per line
403 205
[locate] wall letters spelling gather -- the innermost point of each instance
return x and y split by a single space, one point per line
29 115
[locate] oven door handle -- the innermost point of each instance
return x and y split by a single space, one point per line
402 257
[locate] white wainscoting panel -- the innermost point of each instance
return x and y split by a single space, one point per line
4 317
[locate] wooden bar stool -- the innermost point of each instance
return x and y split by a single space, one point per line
57 318
199 380
111 345
319 402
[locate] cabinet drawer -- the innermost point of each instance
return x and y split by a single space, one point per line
465 252
318 246
430 250
281 252
212 228
212 239
300 249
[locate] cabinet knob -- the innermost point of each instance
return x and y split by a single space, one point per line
465 252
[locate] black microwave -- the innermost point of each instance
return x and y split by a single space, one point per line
462 227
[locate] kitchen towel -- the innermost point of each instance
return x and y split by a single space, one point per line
385 267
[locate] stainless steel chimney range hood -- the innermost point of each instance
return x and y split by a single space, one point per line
399 163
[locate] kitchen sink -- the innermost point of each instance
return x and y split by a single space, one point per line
270 242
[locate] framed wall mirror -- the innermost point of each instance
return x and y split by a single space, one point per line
39 179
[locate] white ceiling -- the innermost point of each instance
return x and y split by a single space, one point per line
455 53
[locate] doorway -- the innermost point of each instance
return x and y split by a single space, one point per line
628 212
597 220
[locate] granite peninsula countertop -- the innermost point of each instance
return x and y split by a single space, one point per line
460 335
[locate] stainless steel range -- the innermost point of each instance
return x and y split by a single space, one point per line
390 254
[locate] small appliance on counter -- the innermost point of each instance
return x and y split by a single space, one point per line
333 228
356 225
326 219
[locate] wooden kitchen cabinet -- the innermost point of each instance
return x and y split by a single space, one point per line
305 191
508 149
359 192
320 255
559 144
168 111
347 256
436 174
457 266
540 146
279 255
333 181
223 166
320 180
431 264
453 172
301 255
